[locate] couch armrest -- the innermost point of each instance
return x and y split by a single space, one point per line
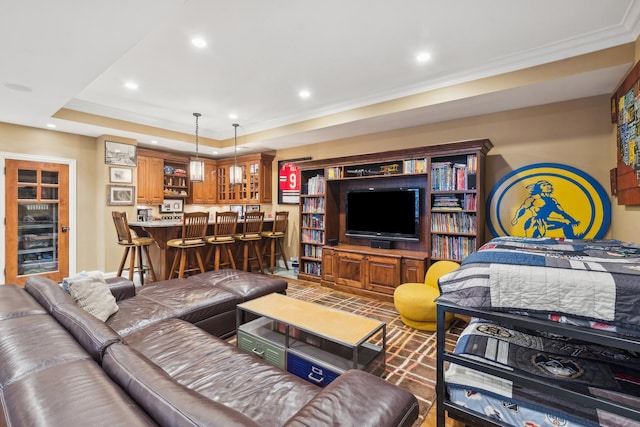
357 398
121 288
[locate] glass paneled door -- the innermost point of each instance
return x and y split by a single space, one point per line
37 220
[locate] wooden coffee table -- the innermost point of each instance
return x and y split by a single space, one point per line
315 342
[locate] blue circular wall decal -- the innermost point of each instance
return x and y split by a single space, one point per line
549 200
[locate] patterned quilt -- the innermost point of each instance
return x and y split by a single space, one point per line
588 368
594 281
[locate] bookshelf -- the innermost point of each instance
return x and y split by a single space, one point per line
312 223
455 203
449 177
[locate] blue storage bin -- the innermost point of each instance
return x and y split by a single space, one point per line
310 371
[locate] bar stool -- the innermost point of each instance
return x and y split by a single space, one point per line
194 231
137 244
250 237
223 229
276 237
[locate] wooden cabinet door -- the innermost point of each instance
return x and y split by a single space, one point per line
205 192
150 180
37 220
222 183
413 270
328 265
350 269
382 273
260 185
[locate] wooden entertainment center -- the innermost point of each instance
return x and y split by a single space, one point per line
451 215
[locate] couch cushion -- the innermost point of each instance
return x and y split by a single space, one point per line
92 334
178 298
93 295
121 288
245 285
223 373
76 393
168 402
15 302
394 407
32 343
47 292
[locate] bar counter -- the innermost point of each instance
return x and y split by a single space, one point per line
161 231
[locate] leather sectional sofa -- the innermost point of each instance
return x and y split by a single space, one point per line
149 364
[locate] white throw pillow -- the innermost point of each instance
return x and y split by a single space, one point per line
93 295
95 274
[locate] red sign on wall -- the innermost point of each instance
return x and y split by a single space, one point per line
289 183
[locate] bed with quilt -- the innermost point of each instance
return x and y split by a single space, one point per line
554 338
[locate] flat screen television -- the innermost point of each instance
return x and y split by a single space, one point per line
383 213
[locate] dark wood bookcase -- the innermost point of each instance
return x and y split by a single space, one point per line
451 216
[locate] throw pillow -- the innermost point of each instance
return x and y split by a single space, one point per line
97 275
93 295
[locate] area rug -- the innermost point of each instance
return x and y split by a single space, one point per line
411 354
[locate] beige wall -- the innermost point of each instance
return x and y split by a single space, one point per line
109 252
576 133
24 140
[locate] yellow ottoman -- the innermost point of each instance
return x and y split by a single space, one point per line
415 303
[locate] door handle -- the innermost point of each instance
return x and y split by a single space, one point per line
64 228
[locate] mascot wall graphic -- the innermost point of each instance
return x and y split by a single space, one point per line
548 200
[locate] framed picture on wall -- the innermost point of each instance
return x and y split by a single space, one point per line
121 195
120 175
117 153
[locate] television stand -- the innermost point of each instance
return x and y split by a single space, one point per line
372 272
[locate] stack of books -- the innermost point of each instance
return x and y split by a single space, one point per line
446 202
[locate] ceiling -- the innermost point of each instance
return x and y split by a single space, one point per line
65 63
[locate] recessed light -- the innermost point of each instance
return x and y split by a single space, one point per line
51 126
423 57
215 152
153 141
304 94
131 85
198 42
233 116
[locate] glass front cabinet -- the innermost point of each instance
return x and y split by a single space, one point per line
38 217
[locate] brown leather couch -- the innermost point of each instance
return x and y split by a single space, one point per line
207 300
60 366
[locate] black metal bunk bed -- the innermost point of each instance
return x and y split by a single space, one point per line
591 291
525 322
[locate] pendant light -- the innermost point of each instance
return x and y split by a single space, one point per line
235 171
196 166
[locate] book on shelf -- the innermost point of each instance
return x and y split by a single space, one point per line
454 222
334 172
472 163
313 220
313 205
446 202
414 166
315 185
456 175
452 247
310 236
